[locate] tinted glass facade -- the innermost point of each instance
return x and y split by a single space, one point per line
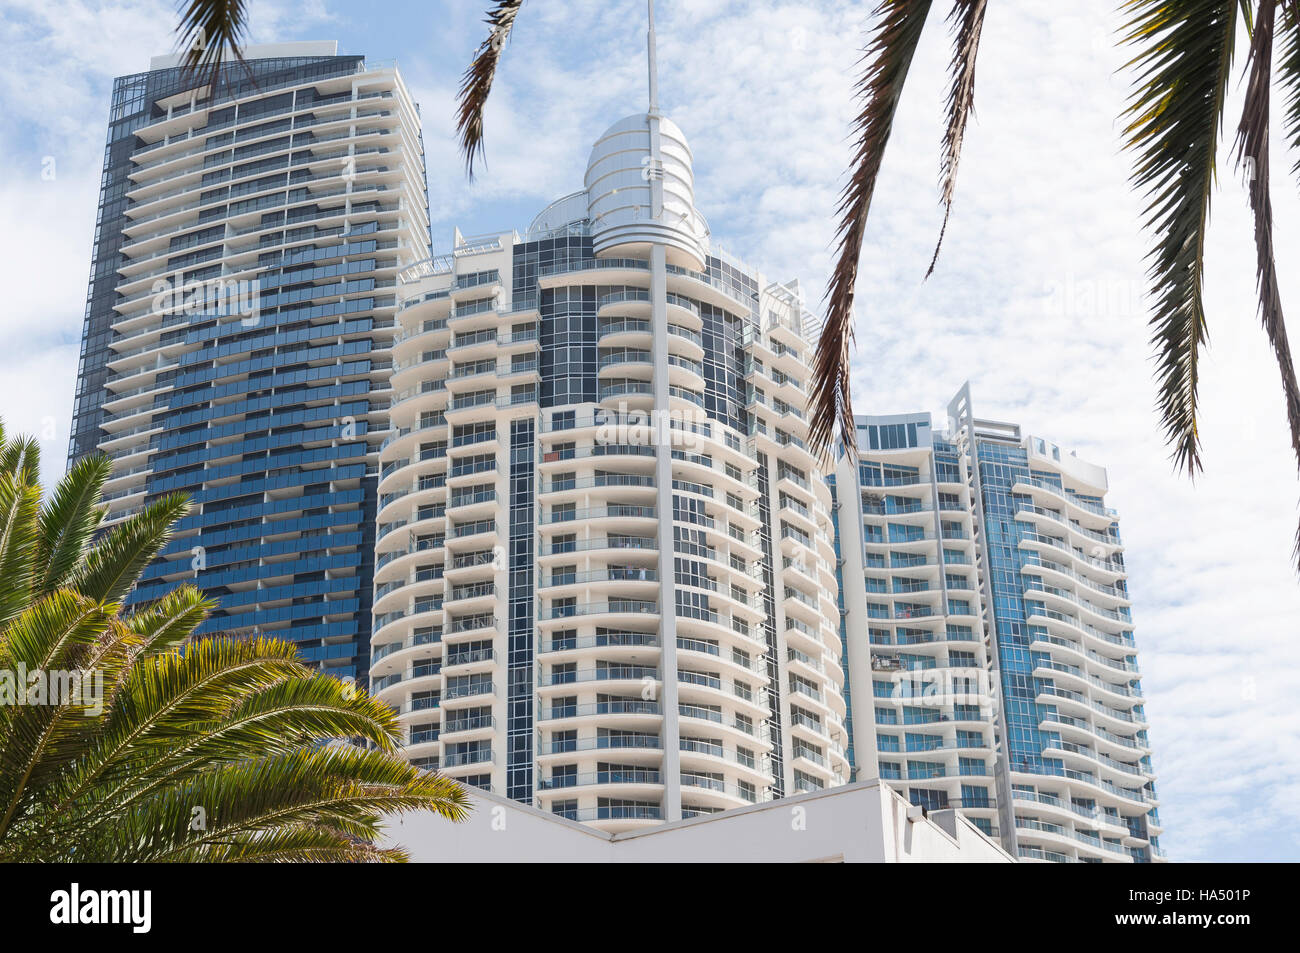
1073 708
238 326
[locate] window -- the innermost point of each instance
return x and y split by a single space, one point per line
921 770
928 799
892 436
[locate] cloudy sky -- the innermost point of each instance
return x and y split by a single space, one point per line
1037 300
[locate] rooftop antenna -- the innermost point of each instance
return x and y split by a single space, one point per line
650 57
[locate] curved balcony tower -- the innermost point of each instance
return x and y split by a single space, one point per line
604 564
1079 783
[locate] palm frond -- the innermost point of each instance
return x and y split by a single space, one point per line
210 31
45 635
112 565
887 59
338 789
222 699
165 717
967 18
112 770
78 686
168 622
21 459
54 635
321 707
1288 77
1183 66
304 845
476 84
70 518
1252 151
19 542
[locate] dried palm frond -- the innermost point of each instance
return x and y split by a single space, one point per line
476 84
886 60
208 29
967 18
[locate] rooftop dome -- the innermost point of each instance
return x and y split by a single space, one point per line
619 179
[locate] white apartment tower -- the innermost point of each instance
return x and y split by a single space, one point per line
604 576
986 608
914 619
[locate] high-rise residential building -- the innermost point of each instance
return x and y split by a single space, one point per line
986 606
913 611
549 493
238 324
604 578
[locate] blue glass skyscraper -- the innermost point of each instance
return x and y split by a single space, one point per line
238 325
1078 781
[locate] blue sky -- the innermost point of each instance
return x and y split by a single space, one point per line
1038 297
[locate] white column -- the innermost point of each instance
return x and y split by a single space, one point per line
848 495
670 734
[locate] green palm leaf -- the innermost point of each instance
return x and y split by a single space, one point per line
56 634
325 789
1175 114
112 565
169 621
19 504
235 726
70 518
20 459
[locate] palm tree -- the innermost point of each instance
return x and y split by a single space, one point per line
1182 63
1184 51
123 738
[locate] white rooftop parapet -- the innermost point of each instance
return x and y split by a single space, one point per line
262 51
1070 464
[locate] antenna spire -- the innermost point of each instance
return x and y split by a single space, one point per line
651 58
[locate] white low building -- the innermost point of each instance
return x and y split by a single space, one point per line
855 823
